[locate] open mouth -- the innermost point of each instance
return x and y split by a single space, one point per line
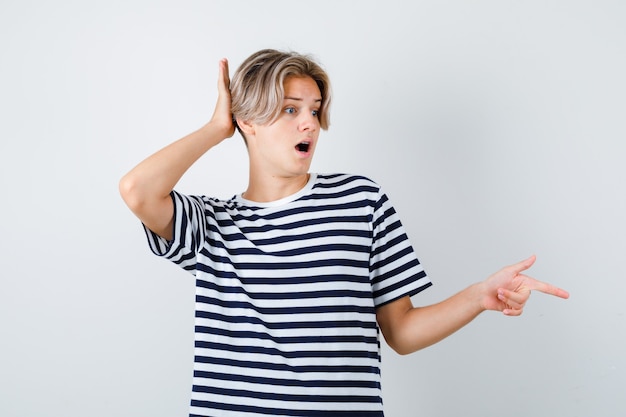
303 146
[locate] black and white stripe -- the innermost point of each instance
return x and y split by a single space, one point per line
286 297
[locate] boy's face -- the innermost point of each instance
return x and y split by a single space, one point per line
285 147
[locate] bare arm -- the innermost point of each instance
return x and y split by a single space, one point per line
407 328
146 188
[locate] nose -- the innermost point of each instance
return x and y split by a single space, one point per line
309 122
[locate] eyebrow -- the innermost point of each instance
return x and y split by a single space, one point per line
300 99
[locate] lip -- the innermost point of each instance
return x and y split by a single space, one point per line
302 152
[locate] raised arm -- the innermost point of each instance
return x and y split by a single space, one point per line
146 188
407 328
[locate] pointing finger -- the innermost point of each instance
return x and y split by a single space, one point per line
546 288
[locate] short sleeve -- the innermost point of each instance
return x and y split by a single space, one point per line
188 232
395 271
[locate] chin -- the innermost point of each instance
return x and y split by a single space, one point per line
302 168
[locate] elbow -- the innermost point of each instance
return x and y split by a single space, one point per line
396 322
129 191
400 348
400 345
402 351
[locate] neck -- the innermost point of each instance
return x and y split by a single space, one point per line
264 189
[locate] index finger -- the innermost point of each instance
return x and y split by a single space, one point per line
224 78
546 288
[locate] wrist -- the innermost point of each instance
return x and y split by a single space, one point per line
479 294
219 129
213 132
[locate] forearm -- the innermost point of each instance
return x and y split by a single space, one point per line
155 177
414 328
408 329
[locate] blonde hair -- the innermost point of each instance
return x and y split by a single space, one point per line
257 87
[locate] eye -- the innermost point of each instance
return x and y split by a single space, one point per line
315 113
290 110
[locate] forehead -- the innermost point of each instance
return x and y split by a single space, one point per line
301 88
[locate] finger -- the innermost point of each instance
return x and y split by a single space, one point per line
524 265
226 72
223 81
546 288
512 312
513 299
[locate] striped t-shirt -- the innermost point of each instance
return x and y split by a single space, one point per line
286 294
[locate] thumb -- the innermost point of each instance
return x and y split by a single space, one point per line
523 265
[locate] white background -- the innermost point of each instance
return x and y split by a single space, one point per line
497 128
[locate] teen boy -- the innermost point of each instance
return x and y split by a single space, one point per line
296 276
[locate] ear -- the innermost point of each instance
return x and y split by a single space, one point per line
246 127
